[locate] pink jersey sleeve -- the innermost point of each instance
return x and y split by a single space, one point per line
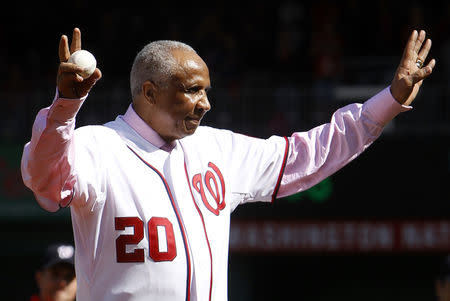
316 154
48 158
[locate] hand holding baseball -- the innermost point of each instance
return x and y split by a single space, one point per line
84 59
411 71
74 79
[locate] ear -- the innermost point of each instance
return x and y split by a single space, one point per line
149 91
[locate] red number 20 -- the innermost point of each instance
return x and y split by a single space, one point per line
157 252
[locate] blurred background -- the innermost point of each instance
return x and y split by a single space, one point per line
376 230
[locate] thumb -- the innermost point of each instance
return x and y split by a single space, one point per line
95 76
86 85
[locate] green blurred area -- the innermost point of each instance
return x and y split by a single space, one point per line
319 193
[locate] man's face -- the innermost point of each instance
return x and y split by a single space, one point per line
57 283
180 107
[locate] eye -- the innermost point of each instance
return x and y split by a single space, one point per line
193 90
197 89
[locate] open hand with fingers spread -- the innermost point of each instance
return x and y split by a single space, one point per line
411 71
70 83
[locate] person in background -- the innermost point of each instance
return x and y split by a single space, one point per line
443 281
55 277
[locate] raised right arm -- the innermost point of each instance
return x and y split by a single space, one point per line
47 159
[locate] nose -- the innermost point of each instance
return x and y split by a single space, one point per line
203 104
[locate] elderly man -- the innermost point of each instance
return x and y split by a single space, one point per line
151 192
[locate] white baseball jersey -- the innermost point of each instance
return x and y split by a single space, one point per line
154 225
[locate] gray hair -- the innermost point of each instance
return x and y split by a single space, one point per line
155 62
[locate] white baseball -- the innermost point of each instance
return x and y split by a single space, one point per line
85 60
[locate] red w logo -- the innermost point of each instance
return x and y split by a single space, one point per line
210 182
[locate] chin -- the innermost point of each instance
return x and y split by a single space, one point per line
189 131
192 131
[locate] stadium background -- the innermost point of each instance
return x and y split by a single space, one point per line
275 67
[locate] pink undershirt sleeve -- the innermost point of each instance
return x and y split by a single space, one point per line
47 159
316 154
